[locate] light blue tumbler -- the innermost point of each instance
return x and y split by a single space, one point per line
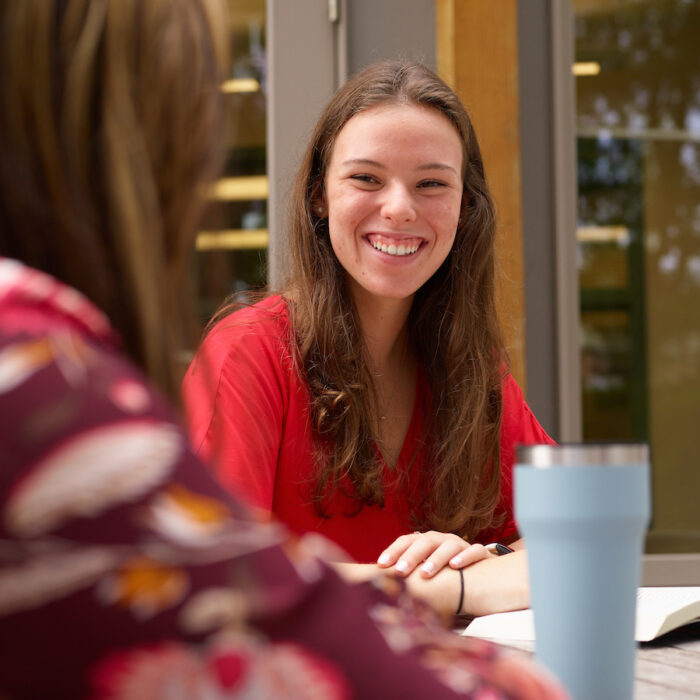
584 510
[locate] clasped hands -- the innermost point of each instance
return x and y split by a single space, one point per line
491 583
432 551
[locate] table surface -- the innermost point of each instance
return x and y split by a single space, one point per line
667 668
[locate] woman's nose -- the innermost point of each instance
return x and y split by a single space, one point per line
398 205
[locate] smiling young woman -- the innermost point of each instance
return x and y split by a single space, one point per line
370 401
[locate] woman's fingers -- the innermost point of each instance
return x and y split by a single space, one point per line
469 555
447 552
431 551
393 552
445 555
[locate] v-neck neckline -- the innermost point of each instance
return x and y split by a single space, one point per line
410 438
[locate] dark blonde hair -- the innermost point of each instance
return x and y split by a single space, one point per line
453 326
110 126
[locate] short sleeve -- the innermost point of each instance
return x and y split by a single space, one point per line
236 397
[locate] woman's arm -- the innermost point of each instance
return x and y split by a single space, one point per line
495 584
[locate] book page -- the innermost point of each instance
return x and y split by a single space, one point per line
515 626
659 610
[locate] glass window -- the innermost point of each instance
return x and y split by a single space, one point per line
232 245
638 134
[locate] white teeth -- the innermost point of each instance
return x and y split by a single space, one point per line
393 249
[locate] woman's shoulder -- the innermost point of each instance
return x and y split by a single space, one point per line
512 393
519 422
253 334
270 309
265 319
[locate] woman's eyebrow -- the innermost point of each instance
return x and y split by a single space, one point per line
377 164
436 166
362 161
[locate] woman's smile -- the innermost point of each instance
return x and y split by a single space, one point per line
393 245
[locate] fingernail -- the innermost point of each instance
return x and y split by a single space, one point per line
456 560
428 567
402 565
383 559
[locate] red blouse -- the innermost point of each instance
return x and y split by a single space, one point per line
248 409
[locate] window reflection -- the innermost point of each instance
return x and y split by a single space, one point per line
232 245
638 125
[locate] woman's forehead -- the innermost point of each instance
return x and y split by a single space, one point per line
399 131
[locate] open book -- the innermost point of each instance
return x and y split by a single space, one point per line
659 610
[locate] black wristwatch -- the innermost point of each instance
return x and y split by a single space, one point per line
498 548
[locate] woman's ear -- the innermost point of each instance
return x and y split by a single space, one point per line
318 201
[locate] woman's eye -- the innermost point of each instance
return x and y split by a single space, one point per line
431 183
369 179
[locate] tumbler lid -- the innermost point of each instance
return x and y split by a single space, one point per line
582 454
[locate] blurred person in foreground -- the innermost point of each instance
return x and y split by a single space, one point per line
125 570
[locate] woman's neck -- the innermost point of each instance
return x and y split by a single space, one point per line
384 327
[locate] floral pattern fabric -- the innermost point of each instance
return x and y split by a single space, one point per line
127 572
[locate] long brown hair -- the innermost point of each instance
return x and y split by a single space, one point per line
110 126
453 326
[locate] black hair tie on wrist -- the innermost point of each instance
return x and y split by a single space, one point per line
461 592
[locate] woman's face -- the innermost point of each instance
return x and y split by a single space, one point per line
393 191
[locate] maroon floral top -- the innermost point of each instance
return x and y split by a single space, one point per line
127 572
